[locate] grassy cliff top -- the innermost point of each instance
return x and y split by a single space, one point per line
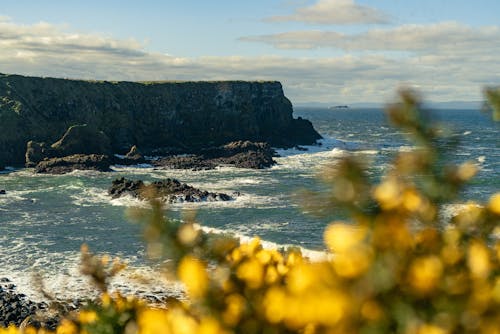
147 82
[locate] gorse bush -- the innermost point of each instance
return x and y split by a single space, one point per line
394 267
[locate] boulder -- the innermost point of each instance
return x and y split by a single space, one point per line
73 162
2 192
169 190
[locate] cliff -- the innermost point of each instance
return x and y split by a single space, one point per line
179 116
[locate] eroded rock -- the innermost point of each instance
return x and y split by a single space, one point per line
74 162
241 154
169 190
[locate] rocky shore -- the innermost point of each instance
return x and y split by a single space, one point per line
84 147
16 309
169 190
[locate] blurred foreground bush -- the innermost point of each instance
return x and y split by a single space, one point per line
395 267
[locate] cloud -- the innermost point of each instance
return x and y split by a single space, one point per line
431 38
334 12
48 50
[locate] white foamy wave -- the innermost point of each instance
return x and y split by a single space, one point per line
325 144
312 255
120 168
242 201
308 162
89 196
64 281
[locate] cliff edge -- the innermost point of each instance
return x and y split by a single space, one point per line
156 116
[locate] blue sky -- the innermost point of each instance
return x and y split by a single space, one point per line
338 51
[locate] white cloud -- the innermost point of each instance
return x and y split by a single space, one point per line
431 38
47 50
334 12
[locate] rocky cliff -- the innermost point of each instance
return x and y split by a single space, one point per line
155 116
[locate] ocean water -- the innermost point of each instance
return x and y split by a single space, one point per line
44 219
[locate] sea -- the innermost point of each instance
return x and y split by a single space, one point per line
44 219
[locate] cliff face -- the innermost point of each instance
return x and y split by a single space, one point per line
182 115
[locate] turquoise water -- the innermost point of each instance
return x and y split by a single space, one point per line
45 219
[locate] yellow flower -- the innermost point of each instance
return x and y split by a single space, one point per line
494 204
353 264
193 274
153 321
341 237
388 194
431 329
479 260
87 317
210 326
66 327
275 305
252 272
424 273
235 306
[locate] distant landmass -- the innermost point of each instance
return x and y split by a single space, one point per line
379 105
339 107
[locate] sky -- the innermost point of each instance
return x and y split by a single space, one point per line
329 51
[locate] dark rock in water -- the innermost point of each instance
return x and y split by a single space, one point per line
242 154
170 190
194 162
73 162
152 115
121 187
133 157
2 192
78 139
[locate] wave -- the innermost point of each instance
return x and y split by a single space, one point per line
312 255
325 144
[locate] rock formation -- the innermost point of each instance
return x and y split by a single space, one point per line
179 117
78 139
242 154
169 190
133 157
70 163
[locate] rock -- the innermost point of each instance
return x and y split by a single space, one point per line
121 187
180 116
193 162
82 139
17 310
242 154
2 192
36 152
169 190
73 162
78 139
133 157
